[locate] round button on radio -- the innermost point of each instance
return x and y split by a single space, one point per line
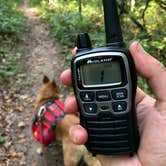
119 106
90 108
87 96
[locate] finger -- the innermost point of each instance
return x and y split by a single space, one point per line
140 95
144 104
78 134
74 51
120 160
66 77
70 104
151 69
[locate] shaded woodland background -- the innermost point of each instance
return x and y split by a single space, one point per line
141 20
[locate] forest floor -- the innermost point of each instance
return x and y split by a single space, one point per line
17 105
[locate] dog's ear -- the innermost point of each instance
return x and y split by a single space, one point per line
45 79
55 86
54 83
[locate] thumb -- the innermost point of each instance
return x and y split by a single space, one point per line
151 69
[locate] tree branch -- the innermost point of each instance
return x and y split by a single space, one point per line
143 14
134 20
161 4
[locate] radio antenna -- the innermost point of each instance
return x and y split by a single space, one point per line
112 24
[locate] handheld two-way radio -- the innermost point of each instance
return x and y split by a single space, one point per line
105 81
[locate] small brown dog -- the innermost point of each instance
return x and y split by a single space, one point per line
72 153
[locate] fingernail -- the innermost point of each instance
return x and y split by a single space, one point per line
140 49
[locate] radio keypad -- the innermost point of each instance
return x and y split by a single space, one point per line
101 101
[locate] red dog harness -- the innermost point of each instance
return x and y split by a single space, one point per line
44 124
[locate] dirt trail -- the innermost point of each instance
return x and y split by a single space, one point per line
42 58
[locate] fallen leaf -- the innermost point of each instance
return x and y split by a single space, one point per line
39 151
21 136
13 154
21 124
23 140
24 97
8 144
19 109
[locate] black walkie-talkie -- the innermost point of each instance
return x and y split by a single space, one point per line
105 81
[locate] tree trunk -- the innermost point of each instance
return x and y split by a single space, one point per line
80 7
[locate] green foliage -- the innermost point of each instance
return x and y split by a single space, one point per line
12 21
12 25
34 2
2 140
151 17
65 26
143 85
142 21
10 61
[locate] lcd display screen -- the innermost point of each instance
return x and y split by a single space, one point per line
103 73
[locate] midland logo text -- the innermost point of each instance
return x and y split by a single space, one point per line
92 61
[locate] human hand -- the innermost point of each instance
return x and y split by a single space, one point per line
151 114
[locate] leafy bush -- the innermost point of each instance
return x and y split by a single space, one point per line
65 26
9 64
34 2
144 22
12 21
12 24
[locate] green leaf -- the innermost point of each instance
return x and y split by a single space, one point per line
158 45
2 140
